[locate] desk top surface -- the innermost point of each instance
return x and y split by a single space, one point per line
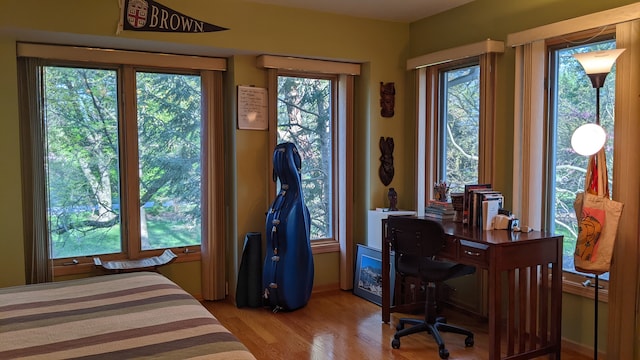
495 237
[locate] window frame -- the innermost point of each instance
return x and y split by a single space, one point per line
427 120
573 282
127 63
335 212
440 151
622 328
539 52
343 166
485 54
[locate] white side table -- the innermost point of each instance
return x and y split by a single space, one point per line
374 225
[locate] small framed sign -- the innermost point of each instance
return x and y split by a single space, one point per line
252 108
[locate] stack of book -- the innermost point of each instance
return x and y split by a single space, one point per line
440 210
481 204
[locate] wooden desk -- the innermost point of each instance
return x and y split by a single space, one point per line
528 310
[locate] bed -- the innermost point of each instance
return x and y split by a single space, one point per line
122 316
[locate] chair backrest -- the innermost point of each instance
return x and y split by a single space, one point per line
415 239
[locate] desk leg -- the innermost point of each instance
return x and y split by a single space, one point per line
386 268
556 302
495 311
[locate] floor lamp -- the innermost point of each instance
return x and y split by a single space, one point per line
588 139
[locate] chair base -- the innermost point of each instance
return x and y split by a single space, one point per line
434 329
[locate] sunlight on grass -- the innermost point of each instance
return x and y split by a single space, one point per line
162 234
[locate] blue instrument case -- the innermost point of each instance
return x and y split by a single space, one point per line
287 275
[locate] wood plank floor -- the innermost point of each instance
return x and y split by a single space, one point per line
339 325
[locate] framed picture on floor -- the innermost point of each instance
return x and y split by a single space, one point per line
367 282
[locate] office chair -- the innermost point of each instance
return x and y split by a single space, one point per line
416 242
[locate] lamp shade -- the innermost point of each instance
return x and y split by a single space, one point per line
598 62
588 139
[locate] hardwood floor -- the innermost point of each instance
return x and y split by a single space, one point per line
340 325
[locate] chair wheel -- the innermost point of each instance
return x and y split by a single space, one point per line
444 353
395 343
468 342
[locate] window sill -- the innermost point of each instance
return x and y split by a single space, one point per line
571 285
324 246
86 265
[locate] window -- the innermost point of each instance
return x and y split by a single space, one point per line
124 155
530 125
82 150
312 102
459 121
556 98
85 187
169 148
455 121
306 118
572 103
455 117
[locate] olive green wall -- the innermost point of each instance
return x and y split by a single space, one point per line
381 47
254 29
11 256
578 321
495 19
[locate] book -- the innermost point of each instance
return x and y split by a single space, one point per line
431 210
478 197
440 204
439 216
441 210
489 211
467 199
457 200
475 206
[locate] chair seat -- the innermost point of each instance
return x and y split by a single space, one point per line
432 270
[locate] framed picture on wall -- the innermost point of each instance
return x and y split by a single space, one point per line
367 282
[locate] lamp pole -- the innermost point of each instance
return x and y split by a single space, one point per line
597 65
598 105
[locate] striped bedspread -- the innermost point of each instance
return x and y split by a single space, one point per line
124 316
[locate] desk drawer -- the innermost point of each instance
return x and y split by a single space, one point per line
474 253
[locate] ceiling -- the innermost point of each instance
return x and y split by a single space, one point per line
390 10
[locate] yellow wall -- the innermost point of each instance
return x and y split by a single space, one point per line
495 19
254 29
382 48
11 256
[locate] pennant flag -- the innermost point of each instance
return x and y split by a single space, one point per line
148 15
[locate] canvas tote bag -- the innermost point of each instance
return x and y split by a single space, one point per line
598 218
